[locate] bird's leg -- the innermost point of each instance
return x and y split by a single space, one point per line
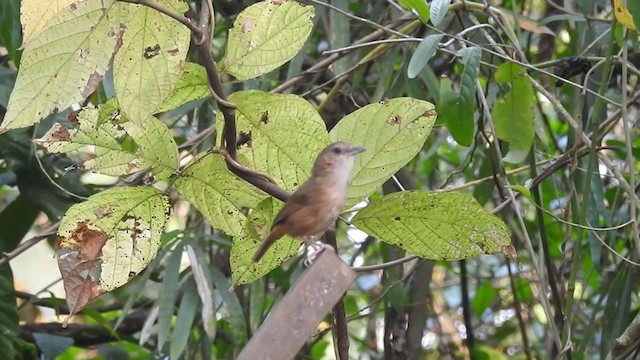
318 247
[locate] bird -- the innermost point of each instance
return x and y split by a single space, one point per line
314 207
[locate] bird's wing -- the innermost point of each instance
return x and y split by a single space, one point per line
297 201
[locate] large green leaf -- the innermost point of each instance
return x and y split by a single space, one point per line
265 35
149 64
286 134
156 148
107 239
514 113
393 131
456 108
64 63
439 226
218 194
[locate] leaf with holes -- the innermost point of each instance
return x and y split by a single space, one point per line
107 239
266 35
514 113
438 226
243 269
218 194
393 131
149 64
282 135
156 148
65 62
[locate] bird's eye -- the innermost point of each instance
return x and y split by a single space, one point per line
337 150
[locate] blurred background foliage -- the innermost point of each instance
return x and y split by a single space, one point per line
574 288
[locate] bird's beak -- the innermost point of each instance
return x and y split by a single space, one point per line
356 150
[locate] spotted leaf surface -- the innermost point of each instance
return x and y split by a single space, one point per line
107 239
439 226
266 35
393 131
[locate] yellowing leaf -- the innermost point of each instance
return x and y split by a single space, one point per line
285 135
622 14
149 64
439 226
34 15
107 239
156 148
266 35
218 194
393 131
65 62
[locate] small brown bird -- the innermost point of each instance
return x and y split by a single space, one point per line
315 206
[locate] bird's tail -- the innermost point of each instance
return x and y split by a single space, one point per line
275 234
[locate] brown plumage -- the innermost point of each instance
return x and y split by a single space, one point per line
314 207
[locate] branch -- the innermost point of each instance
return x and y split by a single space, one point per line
24 246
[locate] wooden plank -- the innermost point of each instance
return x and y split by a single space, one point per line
295 318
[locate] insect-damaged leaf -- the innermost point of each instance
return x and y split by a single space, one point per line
266 35
393 131
442 226
284 135
148 66
156 148
65 61
107 239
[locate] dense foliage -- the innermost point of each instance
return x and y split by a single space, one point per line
152 142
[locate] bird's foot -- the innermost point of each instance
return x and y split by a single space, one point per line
318 248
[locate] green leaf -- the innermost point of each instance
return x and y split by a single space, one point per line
286 133
193 85
156 148
10 34
424 52
485 296
514 114
393 131
64 63
166 300
218 194
184 320
457 108
243 269
419 6
438 11
16 219
266 35
438 226
149 64
108 239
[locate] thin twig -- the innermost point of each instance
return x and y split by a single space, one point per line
25 245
